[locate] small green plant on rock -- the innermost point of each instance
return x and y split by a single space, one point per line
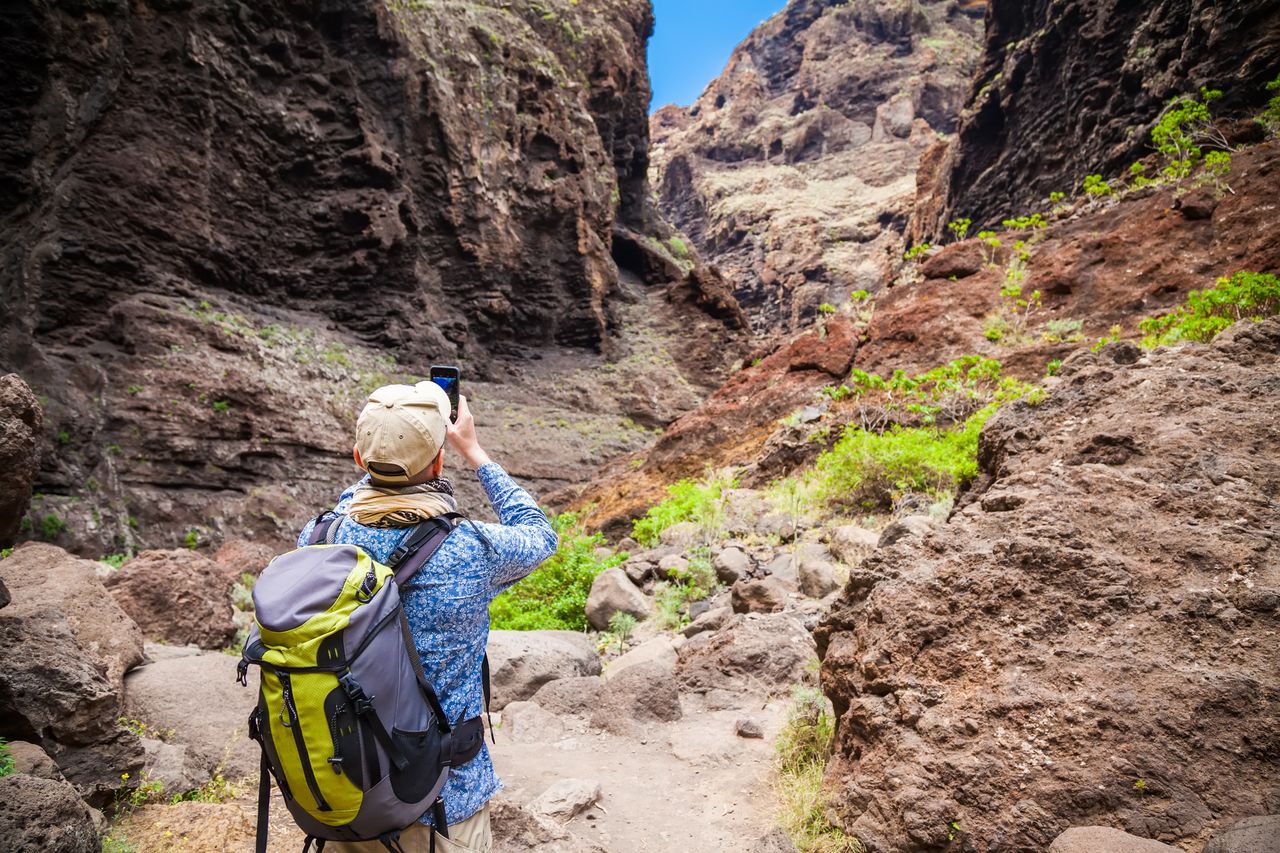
1024 223
960 227
1052 368
679 248
621 626
1112 336
115 561
916 252
1064 330
1094 185
1138 176
1217 165
1270 118
992 244
1244 295
1017 308
52 526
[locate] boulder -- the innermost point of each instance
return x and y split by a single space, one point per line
567 798
195 700
642 695
44 816
612 592
520 662
170 765
179 596
659 650
731 565
753 653
851 543
44 580
528 722
239 557
1104 839
783 567
777 524
959 260
909 527
672 564
4 595
1252 835
818 578
681 534
748 728
766 595
709 621
102 770
639 570
30 759
570 695
21 422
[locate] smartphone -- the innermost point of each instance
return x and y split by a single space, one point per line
449 378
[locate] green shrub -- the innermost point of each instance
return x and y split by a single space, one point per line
949 393
916 252
1094 185
6 758
221 406
115 561
873 470
1138 175
1270 118
960 227
1022 223
1245 295
554 596
672 597
826 308
1185 125
992 243
52 526
192 539
803 749
689 501
1052 368
1065 330
679 248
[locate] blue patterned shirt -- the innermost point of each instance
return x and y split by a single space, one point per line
447 603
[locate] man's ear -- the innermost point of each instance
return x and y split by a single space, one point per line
355 454
437 467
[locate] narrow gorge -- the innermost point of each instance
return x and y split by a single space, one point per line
907 406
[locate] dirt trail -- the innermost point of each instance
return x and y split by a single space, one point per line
689 785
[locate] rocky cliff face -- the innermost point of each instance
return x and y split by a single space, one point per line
1068 89
1080 644
794 171
224 224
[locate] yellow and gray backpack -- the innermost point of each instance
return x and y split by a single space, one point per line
349 725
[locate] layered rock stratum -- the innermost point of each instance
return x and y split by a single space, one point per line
1065 90
225 224
795 169
1087 640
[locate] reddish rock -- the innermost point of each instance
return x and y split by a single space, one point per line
750 654
240 557
763 595
959 260
1021 668
179 597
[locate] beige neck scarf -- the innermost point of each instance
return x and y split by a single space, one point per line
403 506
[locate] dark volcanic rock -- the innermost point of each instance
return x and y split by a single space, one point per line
1026 666
794 171
21 421
224 223
178 597
66 646
44 816
1072 88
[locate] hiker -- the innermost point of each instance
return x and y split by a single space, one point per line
400 444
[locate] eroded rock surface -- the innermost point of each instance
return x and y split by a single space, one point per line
795 169
1070 657
1068 89
177 597
21 420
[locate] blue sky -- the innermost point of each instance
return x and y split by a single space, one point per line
692 41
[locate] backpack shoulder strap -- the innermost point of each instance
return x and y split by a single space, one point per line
326 525
421 543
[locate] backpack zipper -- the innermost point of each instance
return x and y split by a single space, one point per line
287 688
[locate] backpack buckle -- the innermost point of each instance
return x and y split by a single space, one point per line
242 672
361 702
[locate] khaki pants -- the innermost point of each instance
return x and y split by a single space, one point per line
470 836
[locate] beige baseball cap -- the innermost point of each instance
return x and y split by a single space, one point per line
401 429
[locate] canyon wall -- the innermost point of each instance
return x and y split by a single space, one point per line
222 224
1065 90
795 169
